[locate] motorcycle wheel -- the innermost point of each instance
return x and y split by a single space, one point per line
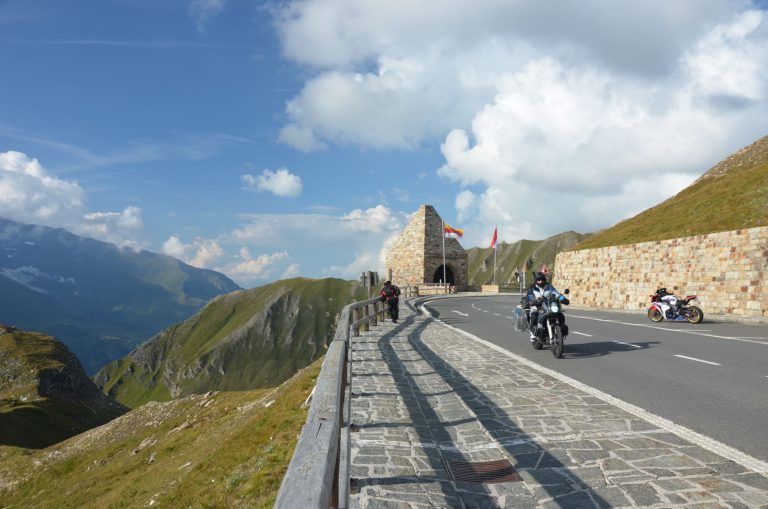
537 344
655 315
557 341
694 314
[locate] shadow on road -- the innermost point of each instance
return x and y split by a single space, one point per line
601 348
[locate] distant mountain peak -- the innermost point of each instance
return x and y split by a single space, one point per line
99 299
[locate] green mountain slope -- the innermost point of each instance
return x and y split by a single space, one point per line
243 340
45 395
228 449
530 255
98 299
730 196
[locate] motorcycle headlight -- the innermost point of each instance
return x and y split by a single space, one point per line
554 307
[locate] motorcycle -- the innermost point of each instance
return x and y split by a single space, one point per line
660 309
551 314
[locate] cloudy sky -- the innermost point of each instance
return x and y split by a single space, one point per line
274 139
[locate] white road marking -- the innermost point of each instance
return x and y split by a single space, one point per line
510 317
628 344
581 333
460 313
697 360
681 331
497 314
743 459
484 311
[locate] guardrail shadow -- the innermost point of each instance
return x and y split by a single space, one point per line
554 477
526 454
432 432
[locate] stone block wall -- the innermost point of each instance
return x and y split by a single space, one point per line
727 270
418 252
405 260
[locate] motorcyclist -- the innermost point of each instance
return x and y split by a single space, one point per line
668 298
535 297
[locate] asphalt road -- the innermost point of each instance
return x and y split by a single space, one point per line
711 377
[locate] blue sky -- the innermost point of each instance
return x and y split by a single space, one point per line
271 139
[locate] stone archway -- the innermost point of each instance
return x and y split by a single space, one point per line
438 277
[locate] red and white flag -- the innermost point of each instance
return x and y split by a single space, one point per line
493 240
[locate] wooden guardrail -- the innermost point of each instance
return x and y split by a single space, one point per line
318 475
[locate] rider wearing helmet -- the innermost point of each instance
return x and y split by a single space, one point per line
535 299
669 298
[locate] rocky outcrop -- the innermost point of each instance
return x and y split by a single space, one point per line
45 395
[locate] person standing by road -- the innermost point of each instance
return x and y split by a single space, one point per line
391 295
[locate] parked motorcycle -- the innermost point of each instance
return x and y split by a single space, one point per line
660 309
551 314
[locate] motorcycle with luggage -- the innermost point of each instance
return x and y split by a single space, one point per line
551 329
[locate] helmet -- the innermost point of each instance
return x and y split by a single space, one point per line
540 276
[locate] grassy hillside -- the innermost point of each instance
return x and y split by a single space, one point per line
730 196
243 340
511 257
227 449
45 395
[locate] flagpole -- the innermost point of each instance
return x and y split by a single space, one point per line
443 234
494 254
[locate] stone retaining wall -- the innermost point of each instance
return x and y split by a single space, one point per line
727 270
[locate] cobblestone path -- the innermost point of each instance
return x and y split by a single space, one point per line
425 395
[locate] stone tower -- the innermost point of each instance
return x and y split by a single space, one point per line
417 256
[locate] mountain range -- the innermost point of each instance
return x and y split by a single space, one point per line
98 299
522 256
186 443
242 340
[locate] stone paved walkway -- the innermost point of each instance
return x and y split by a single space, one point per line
425 394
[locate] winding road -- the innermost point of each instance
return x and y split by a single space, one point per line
711 377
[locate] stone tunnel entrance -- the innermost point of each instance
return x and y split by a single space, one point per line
438 277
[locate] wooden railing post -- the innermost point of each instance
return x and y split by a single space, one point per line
355 327
367 311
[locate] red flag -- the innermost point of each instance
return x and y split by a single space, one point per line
493 240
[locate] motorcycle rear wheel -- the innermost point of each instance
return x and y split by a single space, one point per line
557 341
655 315
694 314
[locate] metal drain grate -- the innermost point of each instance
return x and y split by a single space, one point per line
487 472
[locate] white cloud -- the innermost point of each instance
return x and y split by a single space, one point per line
276 230
375 219
249 268
29 194
203 10
301 138
466 203
339 245
281 182
536 101
293 270
200 253
601 146
121 228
